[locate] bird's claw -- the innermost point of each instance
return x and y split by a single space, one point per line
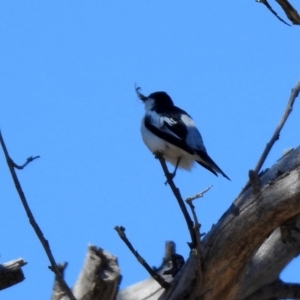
170 176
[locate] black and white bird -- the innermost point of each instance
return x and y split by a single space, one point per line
171 131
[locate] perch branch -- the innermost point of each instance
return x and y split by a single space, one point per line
179 199
275 137
121 231
44 242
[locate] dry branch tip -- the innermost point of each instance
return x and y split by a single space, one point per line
28 160
199 195
141 260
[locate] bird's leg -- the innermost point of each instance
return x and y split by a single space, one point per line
160 155
176 167
172 175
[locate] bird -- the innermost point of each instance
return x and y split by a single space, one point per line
171 131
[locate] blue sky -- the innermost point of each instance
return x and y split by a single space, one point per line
67 71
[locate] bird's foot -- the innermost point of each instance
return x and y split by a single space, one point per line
171 176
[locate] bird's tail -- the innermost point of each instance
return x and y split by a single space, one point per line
206 162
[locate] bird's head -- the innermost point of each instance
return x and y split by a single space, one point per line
155 100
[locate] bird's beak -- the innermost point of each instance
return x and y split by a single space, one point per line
139 94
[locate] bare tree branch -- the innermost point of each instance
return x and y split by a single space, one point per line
39 233
141 260
197 225
199 195
150 289
179 199
269 7
275 136
198 251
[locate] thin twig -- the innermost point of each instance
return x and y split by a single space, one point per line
121 231
199 195
179 199
189 201
275 137
197 227
29 160
44 242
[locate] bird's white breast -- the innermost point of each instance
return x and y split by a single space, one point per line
171 152
153 142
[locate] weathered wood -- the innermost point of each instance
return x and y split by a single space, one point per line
11 273
100 276
243 252
270 259
242 255
243 229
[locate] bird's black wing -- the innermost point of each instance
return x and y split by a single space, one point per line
169 127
